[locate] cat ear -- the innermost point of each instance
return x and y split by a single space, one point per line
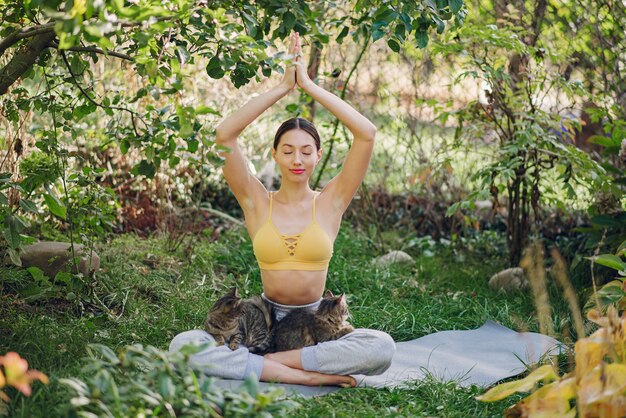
233 291
342 298
329 294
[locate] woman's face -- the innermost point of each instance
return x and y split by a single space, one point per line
296 155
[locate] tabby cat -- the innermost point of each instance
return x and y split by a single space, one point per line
302 327
234 321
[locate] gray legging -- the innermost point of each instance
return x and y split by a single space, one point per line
363 351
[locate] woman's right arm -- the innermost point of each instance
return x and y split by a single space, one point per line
244 185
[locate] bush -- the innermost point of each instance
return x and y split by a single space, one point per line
147 381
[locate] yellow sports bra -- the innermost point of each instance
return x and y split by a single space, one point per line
311 249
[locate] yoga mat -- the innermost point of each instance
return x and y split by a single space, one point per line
481 356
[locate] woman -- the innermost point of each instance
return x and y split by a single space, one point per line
293 231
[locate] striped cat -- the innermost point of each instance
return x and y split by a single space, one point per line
235 321
303 327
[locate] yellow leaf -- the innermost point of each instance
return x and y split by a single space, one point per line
614 407
79 8
589 353
551 400
604 382
543 373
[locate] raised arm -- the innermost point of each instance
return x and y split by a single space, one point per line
244 185
343 187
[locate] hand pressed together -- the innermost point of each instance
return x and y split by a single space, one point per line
296 72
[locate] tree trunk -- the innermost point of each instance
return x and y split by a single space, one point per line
23 60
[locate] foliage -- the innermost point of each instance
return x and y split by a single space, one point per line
16 374
612 293
146 381
532 160
597 385
163 39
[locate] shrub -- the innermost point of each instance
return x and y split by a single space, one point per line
147 381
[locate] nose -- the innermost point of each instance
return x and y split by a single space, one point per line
297 158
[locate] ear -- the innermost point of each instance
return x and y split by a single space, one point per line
342 298
319 155
234 292
273 153
328 294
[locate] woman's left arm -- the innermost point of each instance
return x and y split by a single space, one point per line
345 184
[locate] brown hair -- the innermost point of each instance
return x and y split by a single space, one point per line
297 123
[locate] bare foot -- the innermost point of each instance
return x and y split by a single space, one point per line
350 384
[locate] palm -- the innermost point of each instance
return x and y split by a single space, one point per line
289 78
302 77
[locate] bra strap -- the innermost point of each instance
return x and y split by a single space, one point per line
269 217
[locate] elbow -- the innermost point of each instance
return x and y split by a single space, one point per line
370 133
221 137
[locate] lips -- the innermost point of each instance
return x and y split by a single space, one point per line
297 171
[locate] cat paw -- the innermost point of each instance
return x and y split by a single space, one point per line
233 346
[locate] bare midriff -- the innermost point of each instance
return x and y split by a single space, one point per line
291 287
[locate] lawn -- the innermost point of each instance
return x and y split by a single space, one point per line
153 292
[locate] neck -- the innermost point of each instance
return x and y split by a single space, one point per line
294 192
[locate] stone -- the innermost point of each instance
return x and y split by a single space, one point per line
393 257
52 257
509 280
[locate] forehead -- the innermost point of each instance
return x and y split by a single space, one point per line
297 138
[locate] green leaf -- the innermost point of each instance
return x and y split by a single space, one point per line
12 229
455 5
29 206
610 260
104 351
77 65
394 45
14 256
421 39
55 205
36 272
144 168
344 32
289 20
377 34
192 145
612 292
63 277
203 110
214 68
4 200
173 161
167 389
602 140
124 146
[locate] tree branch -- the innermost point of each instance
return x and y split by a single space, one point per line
16 36
23 59
133 114
96 50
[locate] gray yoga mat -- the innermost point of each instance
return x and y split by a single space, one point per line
480 357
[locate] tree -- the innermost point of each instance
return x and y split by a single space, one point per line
48 49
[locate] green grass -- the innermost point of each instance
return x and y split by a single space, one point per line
153 294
